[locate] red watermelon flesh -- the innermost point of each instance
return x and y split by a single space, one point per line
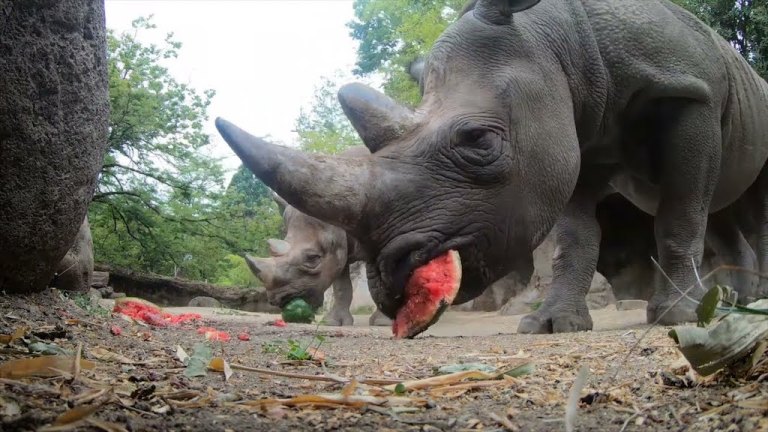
430 290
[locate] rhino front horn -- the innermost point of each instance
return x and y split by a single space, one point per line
329 188
377 118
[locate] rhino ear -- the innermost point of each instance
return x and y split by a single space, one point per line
416 69
500 11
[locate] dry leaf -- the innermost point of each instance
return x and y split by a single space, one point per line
181 354
441 380
19 333
106 355
76 414
106 426
46 366
336 400
218 364
316 354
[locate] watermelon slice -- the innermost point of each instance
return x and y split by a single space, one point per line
430 290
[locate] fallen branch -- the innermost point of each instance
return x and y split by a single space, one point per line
371 381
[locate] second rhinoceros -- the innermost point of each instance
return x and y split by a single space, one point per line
312 256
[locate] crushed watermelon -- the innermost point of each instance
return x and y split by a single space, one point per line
430 290
150 313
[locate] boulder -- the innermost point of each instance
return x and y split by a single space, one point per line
54 113
99 279
203 301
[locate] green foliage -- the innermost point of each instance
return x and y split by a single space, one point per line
743 23
392 33
160 204
250 190
325 128
234 271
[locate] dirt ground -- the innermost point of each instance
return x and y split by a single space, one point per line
138 383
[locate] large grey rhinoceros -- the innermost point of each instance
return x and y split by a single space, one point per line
531 112
312 256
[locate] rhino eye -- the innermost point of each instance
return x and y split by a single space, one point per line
478 146
312 260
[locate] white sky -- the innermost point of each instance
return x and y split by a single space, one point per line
263 57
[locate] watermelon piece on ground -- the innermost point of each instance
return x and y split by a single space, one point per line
430 290
150 313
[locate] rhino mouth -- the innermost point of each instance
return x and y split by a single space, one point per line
400 270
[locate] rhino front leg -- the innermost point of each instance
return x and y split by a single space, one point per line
339 315
577 240
691 153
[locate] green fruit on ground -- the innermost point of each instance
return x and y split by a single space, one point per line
430 290
298 311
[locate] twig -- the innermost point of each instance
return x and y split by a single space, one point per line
648 330
626 423
394 416
504 422
76 366
572 405
373 381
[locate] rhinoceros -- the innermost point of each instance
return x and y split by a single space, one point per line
75 270
312 256
531 112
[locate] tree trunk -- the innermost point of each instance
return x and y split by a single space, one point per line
166 291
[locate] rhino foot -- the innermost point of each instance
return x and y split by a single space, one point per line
556 320
338 318
379 319
682 312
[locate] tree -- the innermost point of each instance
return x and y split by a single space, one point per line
743 23
160 204
392 33
325 128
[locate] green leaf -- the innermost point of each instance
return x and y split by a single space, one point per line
47 349
707 307
463 367
202 353
724 343
523 369
400 388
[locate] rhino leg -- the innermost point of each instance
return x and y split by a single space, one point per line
691 151
378 318
339 314
577 240
762 230
727 240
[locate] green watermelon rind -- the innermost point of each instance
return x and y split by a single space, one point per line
298 311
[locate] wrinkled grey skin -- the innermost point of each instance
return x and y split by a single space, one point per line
75 271
312 256
531 113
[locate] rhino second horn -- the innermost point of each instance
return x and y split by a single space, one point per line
377 118
278 247
333 189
